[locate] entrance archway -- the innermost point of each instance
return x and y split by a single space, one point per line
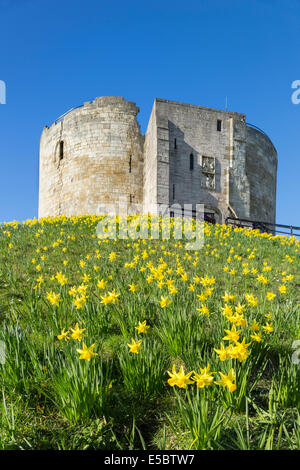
212 214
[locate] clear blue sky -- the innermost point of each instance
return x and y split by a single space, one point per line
58 54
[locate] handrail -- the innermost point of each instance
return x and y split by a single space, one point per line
60 118
257 128
261 131
264 225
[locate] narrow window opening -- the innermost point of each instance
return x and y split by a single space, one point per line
130 163
175 144
173 191
130 198
219 125
61 149
191 161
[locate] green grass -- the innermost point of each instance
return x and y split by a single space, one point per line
51 399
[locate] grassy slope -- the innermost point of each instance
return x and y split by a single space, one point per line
51 399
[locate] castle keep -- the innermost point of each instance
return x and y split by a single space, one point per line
95 155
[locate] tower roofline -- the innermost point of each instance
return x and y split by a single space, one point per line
241 115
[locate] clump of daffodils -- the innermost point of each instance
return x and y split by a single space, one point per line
77 334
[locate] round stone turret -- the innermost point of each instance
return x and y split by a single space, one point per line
90 158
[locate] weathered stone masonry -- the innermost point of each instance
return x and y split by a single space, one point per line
95 155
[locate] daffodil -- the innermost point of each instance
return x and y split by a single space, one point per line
282 289
227 380
80 301
205 377
112 256
61 278
209 291
262 279
240 308
53 298
204 310
86 353
271 295
239 351
179 378
63 335
254 326
268 327
101 284
256 336
135 346
105 299
86 278
232 335
202 297
113 296
164 302
133 287
82 289
227 311
142 327
77 333
223 352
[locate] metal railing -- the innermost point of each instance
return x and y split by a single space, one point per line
257 128
267 227
260 130
61 118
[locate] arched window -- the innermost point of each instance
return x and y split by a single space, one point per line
191 161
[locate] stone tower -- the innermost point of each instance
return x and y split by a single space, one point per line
95 155
91 157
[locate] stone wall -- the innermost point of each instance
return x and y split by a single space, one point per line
239 187
188 132
189 155
99 139
261 168
150 165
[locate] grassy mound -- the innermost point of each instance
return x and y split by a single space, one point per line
111 341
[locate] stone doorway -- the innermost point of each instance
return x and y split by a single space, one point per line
210 217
